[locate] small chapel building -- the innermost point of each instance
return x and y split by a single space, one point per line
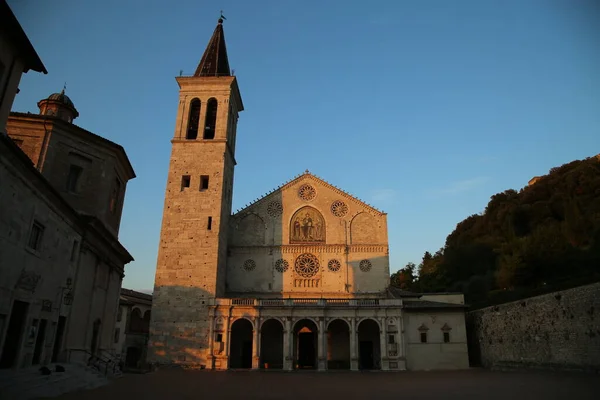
299 279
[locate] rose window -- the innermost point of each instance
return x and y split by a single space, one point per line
274 209
281 265
339 208
307 192
365 265
249 265
334 265
307 265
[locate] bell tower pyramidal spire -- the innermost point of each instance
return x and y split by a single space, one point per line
191 264
214 61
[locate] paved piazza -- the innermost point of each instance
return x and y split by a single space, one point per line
470 384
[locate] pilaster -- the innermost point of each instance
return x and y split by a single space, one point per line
287 358
256 344
322 360
385 366
353 355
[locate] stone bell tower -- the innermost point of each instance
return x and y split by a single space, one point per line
192 253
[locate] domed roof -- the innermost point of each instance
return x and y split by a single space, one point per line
61 97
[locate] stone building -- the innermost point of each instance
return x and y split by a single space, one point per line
61 263
131 331
298 279
17 56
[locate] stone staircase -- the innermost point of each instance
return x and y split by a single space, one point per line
29 383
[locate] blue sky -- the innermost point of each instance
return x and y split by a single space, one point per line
423 109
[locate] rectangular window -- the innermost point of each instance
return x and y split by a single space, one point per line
115 196
423 337
120 314
203 182
35 237
73 178
219 337
446 337
117 333
74 250
185 182
209 227
391 339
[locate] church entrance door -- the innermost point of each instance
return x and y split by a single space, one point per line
369 351
271 344
240 351
338 345
305 344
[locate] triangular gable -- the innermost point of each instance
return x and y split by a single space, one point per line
306 175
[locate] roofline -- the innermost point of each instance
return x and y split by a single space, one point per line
13 29
120 150
313 176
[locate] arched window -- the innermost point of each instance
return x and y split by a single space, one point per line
211 119
194 120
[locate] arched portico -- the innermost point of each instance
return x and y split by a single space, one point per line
369 348
338 344
240 351
305 344
271 344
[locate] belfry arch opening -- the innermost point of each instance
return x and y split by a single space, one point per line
369 348
211 119
271 345
240 352
305 344
193 120
338 345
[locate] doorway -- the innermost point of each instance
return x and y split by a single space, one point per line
132 357
95 335
338 345
14 334
271 344
240 350
58 338
305 344
39 342
369 349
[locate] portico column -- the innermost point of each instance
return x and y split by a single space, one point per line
321 360
227 344
255 346
383 345
353 334
211 341
287 358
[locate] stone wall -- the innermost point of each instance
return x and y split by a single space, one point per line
559 330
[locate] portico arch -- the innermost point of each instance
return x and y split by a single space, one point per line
271 344
369 349
240 350
305 344
338 344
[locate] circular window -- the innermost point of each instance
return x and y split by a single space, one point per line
281 265
365 265
334 265
307 265
307 192
249 265
274 209
339 208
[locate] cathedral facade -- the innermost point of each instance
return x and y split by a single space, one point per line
298 279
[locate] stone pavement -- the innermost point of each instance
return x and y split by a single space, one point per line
468 384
